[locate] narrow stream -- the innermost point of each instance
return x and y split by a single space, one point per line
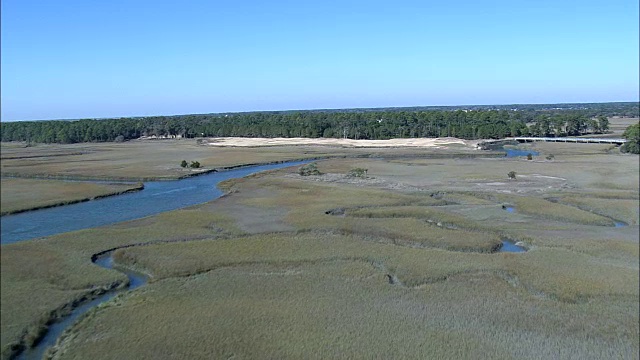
157 197
56 329
616 223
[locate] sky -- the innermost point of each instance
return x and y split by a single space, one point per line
71 59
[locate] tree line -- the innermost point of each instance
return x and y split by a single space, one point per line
373 125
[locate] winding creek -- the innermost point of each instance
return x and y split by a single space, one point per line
156 197
56 329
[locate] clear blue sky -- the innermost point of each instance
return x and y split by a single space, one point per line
79 59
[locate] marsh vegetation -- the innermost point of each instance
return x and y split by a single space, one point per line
400 263
18 195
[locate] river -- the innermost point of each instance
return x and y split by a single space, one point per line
156 197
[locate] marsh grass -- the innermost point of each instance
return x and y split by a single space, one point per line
541 271
328 295
308 202
17 195
38 283
323 287
545 209
138 160
60 267
433 215
264 312
141 160
625 210
549 210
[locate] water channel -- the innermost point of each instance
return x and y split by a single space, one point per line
518 153
57 328
508 246
156 197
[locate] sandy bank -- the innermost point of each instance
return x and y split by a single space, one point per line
349 143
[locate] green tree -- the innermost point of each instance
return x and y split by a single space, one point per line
184 163
512 175
593 125
632 134
603 123
575 125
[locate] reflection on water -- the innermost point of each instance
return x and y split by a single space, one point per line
508 246
518 153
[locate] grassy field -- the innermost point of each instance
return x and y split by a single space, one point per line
345 309
18 195
619 125
399 264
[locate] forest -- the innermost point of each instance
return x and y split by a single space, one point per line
374 124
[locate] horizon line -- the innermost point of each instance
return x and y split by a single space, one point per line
322 109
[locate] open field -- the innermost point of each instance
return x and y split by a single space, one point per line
24 194
398 264
618 125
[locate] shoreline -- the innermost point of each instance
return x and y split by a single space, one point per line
203 171
138 187
34 334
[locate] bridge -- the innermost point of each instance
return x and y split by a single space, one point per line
570 140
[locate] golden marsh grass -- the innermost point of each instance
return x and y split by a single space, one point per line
265 272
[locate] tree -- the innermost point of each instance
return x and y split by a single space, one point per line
184 163
632 134
559 126
603 123
195 164
512 175
593 125
573 127
529 156
353 124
